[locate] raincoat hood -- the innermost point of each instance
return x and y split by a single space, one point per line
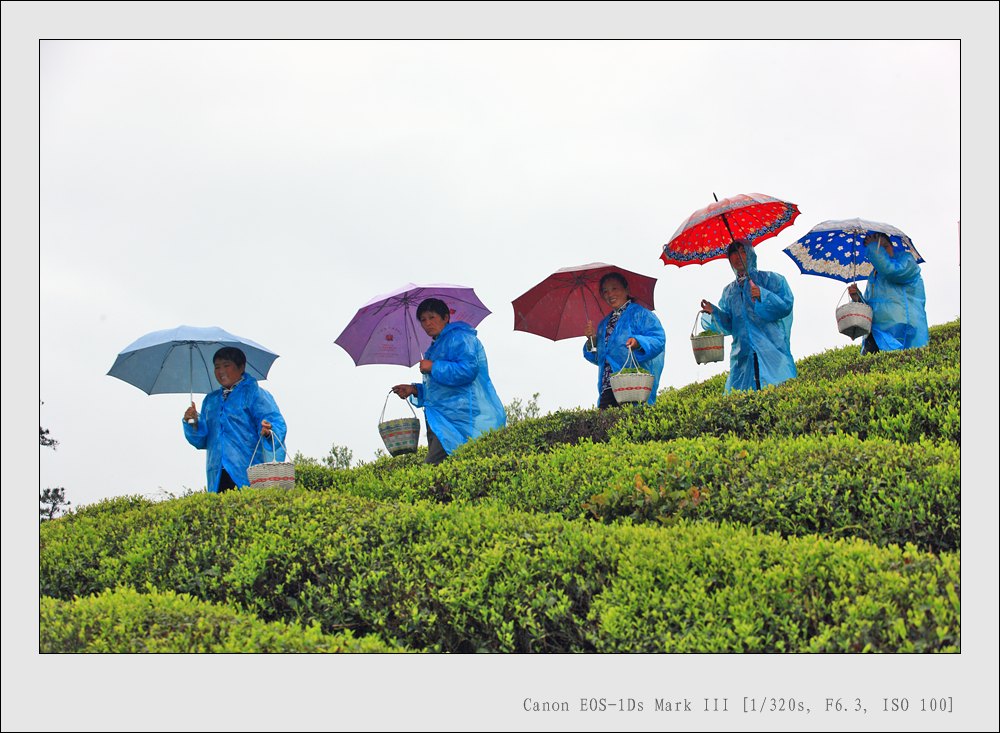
751 260
895 292
760 328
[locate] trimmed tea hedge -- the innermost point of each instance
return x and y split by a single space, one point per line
905 406
876 489
320 477
125 620
543 433
719 591
796 519
459 578
944 350
901 406
900 395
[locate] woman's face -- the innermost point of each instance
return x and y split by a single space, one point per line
227 373
614 293
432 323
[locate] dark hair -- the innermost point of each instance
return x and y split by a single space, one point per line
434 305
737 245
613 276
231 353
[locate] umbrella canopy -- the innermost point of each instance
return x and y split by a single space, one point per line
561 304
705 235
386 331
178 360
836 248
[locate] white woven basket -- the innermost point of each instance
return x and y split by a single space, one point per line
854 319
633 387
707 348
400 436
273 474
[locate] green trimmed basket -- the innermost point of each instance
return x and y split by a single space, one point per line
400 436
707 347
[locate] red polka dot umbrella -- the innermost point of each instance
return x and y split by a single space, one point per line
705 235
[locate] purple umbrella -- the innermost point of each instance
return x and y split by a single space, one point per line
386 331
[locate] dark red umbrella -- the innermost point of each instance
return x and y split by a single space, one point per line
560 306
705 235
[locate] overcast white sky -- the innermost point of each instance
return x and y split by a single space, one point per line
273 187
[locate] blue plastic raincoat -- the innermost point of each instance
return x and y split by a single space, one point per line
230 428
895 292
761 327
635 322
458 397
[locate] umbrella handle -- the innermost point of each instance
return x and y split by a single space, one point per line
191 420
591 340
381 418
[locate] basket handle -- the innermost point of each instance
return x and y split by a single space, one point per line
381 418
697 319
273 451
630 359
845 293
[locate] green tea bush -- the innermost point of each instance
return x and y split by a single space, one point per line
460 578
126 621
902 406
713 589
943 351
113 505
901 395
317 477
541 434
839 485
819 515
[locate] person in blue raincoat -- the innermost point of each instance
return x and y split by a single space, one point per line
628 326
457 395
756 309
233 420
895 292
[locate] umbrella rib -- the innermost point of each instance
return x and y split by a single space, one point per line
207 372
597 300
407 325
474 304
159 371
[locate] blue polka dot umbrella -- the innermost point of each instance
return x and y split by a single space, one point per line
836 248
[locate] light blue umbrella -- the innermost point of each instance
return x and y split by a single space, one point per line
178 360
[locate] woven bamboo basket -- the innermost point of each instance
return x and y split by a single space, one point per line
707 348
272 474
854 319
400 436
634 386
